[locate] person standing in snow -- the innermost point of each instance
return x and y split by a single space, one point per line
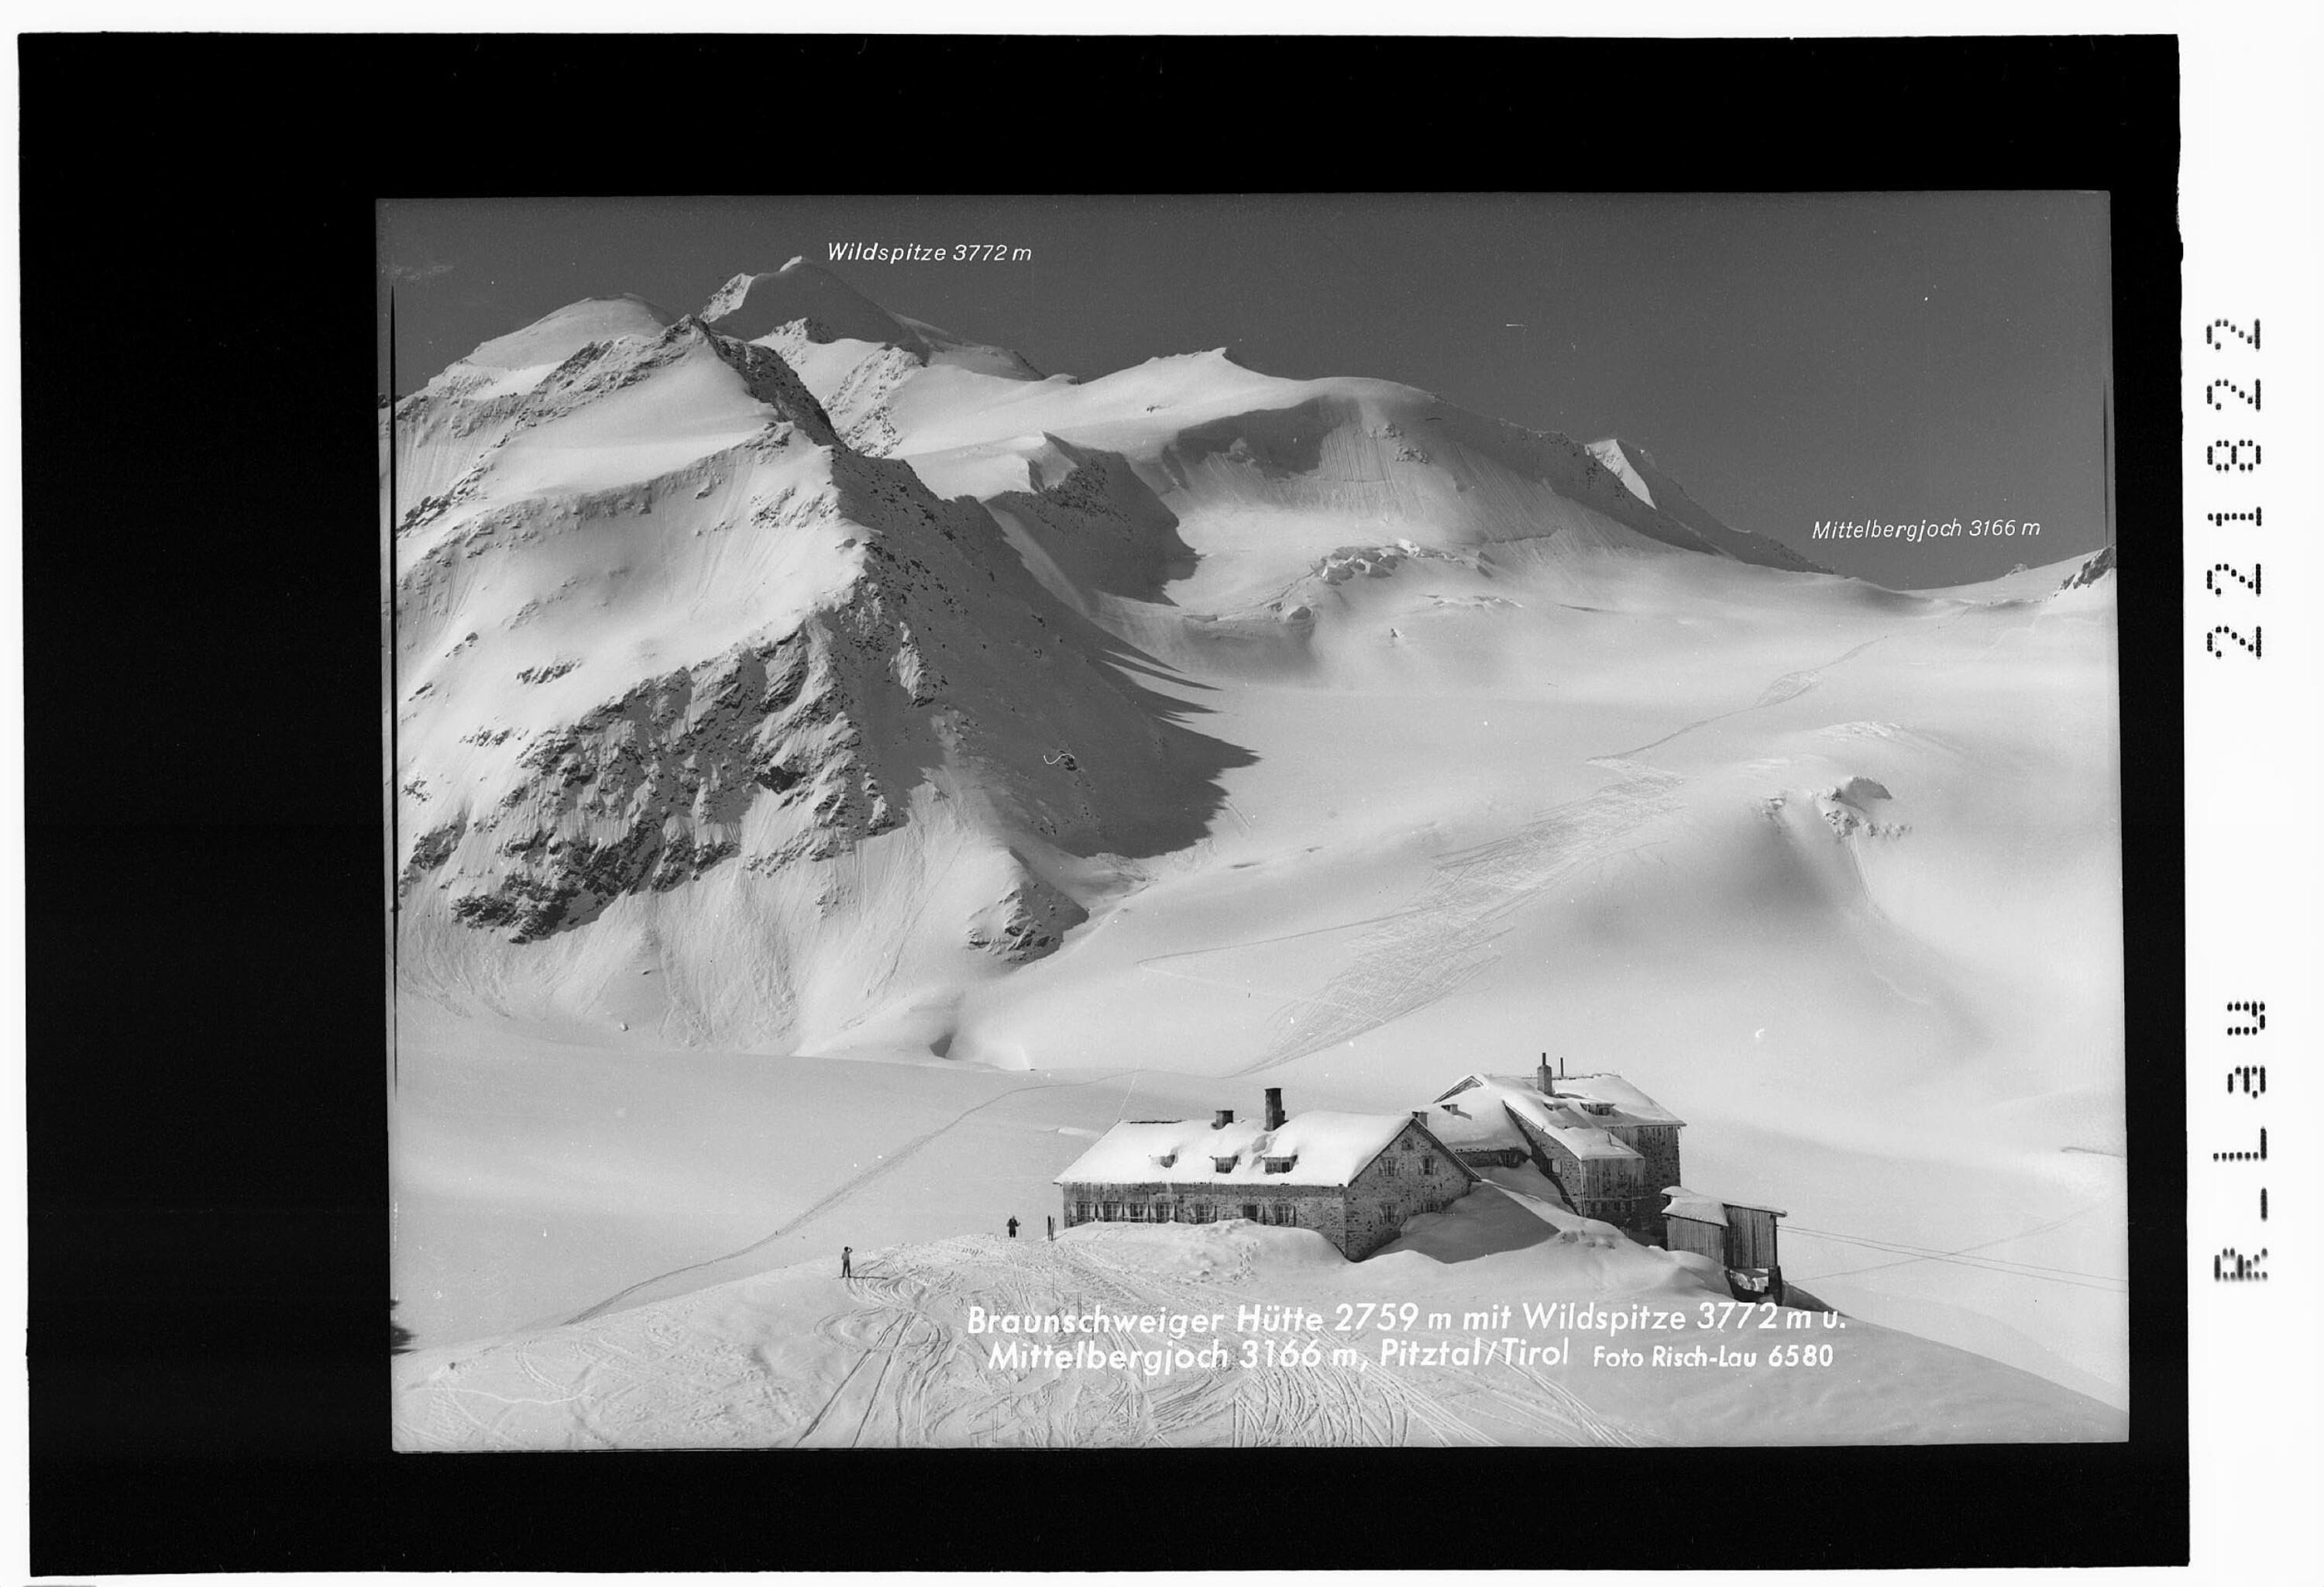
847 1267
1012 1228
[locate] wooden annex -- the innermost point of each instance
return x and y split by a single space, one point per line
1740 1237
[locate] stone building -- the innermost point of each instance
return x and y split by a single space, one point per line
1352 1177
1607 1146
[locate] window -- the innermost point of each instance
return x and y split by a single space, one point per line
1280 1165
1250 1211
1222 1165
1429 1165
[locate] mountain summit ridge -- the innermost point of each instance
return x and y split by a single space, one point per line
705 605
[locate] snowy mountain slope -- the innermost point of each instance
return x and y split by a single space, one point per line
775 1361
1307 725
611 692
812 305
441 430
1630 463
668 623
1351 457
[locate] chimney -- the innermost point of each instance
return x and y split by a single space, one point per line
1222 1118
1275 1107
1420 1117
1548 1087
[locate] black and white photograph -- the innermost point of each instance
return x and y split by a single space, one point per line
1458 819
1183 789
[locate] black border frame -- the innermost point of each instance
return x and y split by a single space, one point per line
204 866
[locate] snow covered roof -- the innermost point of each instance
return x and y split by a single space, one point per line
1581 1138
1632 1106
1688 1203
1327 1148
1475 1114
1471 1117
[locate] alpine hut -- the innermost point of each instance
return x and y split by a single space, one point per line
1352 1177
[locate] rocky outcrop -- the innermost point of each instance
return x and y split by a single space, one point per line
2090 571
914 641
1028 922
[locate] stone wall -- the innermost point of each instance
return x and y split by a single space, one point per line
1414 1175
1320 1207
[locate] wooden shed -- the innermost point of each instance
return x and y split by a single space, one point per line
1737 1235
1695 1223
1751 1236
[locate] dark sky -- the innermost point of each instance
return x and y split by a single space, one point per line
1785 357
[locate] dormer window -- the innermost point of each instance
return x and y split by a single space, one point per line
1222 1165
1167 1159
1280 1165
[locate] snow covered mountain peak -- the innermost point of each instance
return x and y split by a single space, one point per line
562 332
671 652
753 306
718 627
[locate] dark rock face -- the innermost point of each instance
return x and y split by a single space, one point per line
2091 571
648 790
925 653
1028 922
1089 511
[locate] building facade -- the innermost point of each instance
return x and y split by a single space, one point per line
1606 1146
1353 1178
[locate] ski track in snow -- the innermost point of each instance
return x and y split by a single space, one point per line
1447 936
913 1377
833 1198
1419 955
1789 687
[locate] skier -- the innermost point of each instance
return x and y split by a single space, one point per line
1012 1228
847 1267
